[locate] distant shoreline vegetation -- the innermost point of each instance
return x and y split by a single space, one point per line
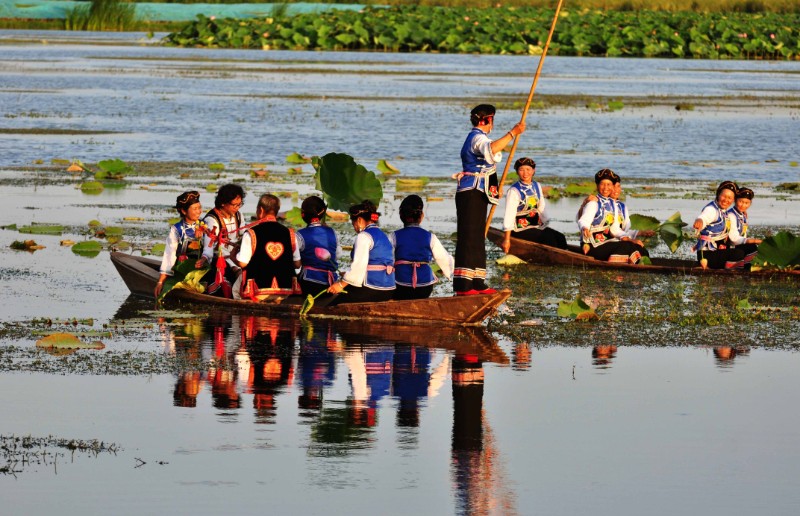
508 30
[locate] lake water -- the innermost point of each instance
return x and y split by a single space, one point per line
343 418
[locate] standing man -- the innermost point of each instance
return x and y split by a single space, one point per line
268 255
477 187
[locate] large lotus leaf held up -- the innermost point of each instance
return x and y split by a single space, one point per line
781 250
344 182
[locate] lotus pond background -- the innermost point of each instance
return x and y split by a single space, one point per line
675 401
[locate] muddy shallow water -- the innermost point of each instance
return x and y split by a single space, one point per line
674 401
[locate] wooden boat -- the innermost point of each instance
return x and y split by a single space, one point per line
546 255
141 275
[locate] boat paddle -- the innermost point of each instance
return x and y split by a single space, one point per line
524 115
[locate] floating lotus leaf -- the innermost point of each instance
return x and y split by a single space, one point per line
211 188
781 251
386 168
67 341
42 229
344 182
25 245
113 231
216 166
92 187
411 184
158 249
575 309
89 248
293 217
115 168
297 159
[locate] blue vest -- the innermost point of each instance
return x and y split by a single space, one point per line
741 221
413 244
603 220
381 260
528 208
713 236
480 174
186 235
316 270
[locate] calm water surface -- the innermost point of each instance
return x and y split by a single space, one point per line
410 108
343 418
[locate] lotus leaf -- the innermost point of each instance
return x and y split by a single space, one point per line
25 245
510 259
92 187
344 182
89 248
574 309
781 251
293 217
384 167
644 222
409 184
297 159
67 341
42 229
158 249
216 166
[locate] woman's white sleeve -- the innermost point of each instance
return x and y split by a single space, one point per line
443 259
170 252
510 216
358 268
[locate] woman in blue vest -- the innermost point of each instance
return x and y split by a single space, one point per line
601 234
185 236
414 248
318 247
477 187
738 236
526 213
370 278
713 226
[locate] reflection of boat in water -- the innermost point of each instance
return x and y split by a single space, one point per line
546 255
463 341
141 274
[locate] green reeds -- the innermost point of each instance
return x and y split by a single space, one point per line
102 15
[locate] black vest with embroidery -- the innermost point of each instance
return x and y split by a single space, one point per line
271 264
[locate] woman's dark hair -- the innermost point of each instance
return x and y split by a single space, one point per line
185 200
228 193
606 173
411 209
481 113
313 209
745 193
727 185
521 162
364 210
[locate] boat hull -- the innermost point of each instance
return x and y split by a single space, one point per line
141 275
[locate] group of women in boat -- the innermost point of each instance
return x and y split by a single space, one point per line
397 265
265 258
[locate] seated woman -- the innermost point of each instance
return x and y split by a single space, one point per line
525 210
738 236
601 233
713 226
319 248
371 275
414 248
184 239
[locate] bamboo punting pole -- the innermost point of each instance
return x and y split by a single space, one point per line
524 115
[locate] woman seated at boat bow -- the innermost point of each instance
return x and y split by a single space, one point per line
525 213
602 236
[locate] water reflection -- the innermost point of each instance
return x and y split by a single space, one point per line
603 355
725 355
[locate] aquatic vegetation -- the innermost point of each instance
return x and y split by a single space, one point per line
88 248
386 168
26 245
297 159
67 341
92 187
344 182
509 30
38 228
671 230
26 452
576 309
781 250
98 15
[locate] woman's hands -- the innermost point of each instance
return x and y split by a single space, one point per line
337 287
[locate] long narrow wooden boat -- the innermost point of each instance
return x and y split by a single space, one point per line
141 275
546 255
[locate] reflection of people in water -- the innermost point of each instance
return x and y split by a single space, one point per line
521 356
270 347
410 382
603 355
187 388
316 369
724 355
467 430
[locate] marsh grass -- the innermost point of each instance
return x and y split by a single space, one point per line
102 15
